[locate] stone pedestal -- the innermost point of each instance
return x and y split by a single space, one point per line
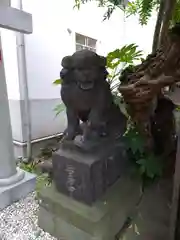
15 190
91 197
86 175
68 219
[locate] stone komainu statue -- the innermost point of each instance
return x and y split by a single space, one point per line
87 97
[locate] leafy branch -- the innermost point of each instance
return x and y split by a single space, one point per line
117 61
111 5
147 164
142 8
59 108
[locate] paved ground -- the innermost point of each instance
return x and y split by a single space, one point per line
19 221
152 219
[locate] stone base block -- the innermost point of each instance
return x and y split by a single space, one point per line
67 219
86 175
15 192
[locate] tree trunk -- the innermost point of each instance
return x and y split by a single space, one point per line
169 7
144 86
156 39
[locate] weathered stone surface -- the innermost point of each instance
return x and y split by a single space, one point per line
14 192
88 98
68 219
85 176
152 221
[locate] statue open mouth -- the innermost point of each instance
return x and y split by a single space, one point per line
86 85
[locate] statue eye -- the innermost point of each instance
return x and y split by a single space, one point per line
63 72
77 70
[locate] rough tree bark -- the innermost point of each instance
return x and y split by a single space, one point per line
167 16
142 92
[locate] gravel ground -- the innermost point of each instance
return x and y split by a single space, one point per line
19 221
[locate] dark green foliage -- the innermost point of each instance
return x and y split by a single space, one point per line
176 14
127 54
133 7
177 108
143 8
125 73
147 164
134 140
150 166
121 63
59 108
120 59
42 179
117 61
109 12
29 167
145 11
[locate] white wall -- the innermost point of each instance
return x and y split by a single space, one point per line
47 45
141 35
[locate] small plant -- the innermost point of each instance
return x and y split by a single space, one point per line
120 59
117 62
42 181
147 164
59 108
177 108
29 167
42 178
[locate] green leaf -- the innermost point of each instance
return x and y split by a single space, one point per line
132 8
176 14
142 170
59 108
57 82
135 142
142 8
117 60
177 108
151 166
77 4
127 54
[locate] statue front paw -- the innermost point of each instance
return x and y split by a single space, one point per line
69 134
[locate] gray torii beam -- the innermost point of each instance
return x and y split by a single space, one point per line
14 183
15 19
